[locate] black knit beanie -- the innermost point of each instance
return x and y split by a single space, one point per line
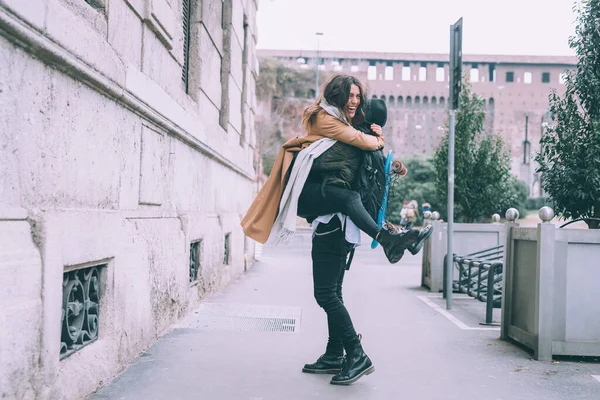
376 112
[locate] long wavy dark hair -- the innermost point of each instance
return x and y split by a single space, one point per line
337 93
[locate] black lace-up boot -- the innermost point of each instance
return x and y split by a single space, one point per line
394 244
356 364
326 364
423 236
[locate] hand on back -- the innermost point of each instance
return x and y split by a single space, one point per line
377 130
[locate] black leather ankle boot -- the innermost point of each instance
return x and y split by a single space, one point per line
420 241
356 364
326 364
394 244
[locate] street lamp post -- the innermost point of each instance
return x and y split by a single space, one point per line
317 67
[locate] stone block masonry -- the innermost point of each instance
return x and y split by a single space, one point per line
110 168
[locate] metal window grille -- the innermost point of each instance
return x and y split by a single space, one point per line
97 4
186 44
80 309
224 4
195 260
226 253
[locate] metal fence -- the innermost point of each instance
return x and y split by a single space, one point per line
480 276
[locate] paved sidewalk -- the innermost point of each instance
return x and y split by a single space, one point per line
418 352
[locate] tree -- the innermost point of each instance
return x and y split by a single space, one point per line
570 147
419 184
282 93
520 194
483 184
279 81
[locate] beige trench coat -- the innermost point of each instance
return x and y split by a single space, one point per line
261 215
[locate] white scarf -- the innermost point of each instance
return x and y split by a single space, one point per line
333 111
285 224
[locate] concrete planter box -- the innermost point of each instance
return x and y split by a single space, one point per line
468 238
551 286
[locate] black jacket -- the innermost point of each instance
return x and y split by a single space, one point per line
338 166
351 168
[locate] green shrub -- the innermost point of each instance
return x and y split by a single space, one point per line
535 203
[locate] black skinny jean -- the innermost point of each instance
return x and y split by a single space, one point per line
312 204
329 252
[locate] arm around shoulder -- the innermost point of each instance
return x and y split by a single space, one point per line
329 126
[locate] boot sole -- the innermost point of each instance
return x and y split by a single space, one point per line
349 382
414 250
321 371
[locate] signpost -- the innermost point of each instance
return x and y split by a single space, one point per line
455 89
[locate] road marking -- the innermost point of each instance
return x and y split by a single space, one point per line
451 317
596 377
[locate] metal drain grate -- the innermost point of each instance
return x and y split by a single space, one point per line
244 318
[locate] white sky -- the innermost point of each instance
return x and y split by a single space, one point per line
515 27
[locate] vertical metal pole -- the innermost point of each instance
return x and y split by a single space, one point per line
317 73
450 258
526 142
317 67
451 122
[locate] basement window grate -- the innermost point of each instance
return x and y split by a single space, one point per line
97 4
195 260
226 249
80 309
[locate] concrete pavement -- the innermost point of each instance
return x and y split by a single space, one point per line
229 349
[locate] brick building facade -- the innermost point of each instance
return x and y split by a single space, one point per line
415 87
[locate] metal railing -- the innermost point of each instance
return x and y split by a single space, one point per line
480 276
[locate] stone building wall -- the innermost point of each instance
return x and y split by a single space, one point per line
415 86
127 159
